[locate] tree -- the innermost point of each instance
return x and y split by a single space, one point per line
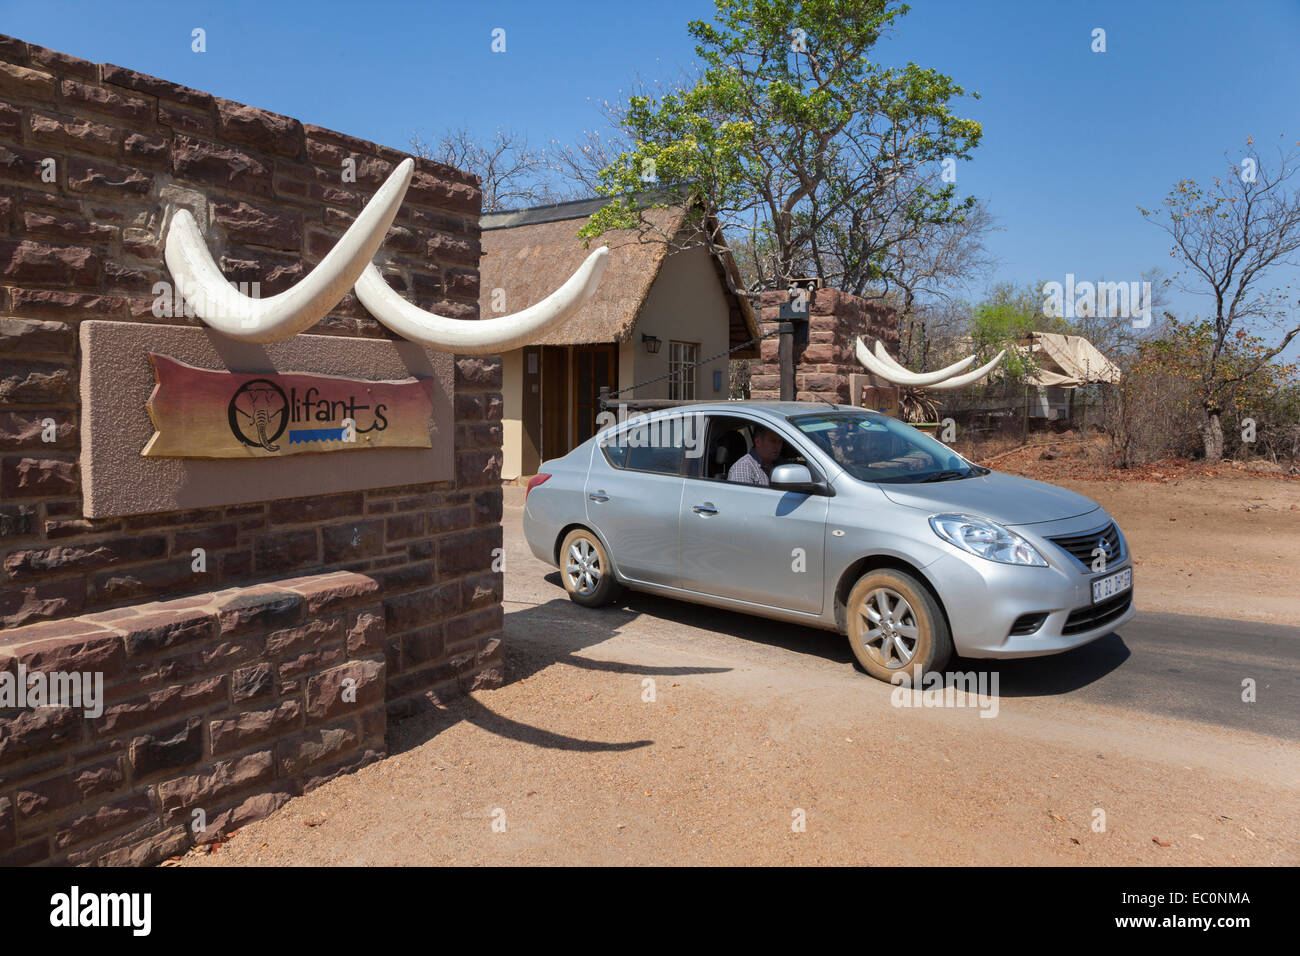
1111 316
579 164
1230 236
789 127
898 248
920 264
1003 321
512 174
1159 405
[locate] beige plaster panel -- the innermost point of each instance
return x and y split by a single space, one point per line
116 382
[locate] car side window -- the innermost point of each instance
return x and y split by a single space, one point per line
656 446
664 461
615 453
731 438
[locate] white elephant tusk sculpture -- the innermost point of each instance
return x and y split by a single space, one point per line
486 336
348 265
894 372
884 366
281 316
973 376
882 353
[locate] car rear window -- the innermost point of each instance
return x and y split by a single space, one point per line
655 447
615 453
667 461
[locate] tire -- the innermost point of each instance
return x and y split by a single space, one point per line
585 569
917 635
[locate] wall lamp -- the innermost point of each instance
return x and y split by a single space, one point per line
652 342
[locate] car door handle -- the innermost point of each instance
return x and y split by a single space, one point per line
597 495
705 509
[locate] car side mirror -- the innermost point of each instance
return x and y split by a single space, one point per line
796 478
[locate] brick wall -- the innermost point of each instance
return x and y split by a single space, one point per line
823 365
88 245
216 710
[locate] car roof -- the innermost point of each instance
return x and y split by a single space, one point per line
781 409
771 410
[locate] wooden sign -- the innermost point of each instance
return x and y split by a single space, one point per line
882 398
207 413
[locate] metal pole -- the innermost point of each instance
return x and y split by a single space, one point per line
785 355
1024 440
1029 358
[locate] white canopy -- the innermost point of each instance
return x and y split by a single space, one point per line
1067 361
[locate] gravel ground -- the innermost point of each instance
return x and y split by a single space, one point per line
755 725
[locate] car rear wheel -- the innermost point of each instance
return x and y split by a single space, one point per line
585 569
895 624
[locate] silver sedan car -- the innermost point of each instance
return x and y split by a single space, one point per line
866 526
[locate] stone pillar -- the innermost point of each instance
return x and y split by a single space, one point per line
825 364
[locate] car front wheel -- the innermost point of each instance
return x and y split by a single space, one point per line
895 624
585 569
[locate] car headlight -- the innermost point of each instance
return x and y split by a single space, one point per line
986 539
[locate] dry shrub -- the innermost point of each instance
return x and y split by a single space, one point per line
1151 414
1155 410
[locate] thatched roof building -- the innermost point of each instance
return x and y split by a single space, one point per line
659 326
527 253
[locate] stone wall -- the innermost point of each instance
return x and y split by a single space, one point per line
824 364
216 710
91 155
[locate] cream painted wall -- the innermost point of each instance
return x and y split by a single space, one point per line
512 412
685 304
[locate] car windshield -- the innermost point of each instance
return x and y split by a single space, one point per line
874 447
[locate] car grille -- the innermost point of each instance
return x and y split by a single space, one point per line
1081 546
1098 615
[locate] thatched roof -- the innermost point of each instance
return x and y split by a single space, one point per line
530 252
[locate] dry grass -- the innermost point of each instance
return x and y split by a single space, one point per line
1068 455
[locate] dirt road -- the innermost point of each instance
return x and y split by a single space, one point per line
1218 547
1135 750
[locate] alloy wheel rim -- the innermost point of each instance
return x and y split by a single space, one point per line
890 632
583 567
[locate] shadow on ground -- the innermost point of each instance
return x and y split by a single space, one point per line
1022 677
572 629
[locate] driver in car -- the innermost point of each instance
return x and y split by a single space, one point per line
755 467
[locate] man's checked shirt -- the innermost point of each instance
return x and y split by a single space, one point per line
748 470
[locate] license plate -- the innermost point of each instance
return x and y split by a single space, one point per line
1111 584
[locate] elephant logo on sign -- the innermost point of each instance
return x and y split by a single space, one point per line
259 413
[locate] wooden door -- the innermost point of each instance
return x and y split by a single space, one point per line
555 401
593 366
530 454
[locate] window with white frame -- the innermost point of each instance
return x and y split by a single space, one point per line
682 357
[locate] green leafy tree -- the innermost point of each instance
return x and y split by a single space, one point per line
1004 319
793 136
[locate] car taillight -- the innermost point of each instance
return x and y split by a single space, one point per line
533 482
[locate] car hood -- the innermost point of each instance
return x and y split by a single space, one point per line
1005 499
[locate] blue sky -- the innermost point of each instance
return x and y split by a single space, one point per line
1073 141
